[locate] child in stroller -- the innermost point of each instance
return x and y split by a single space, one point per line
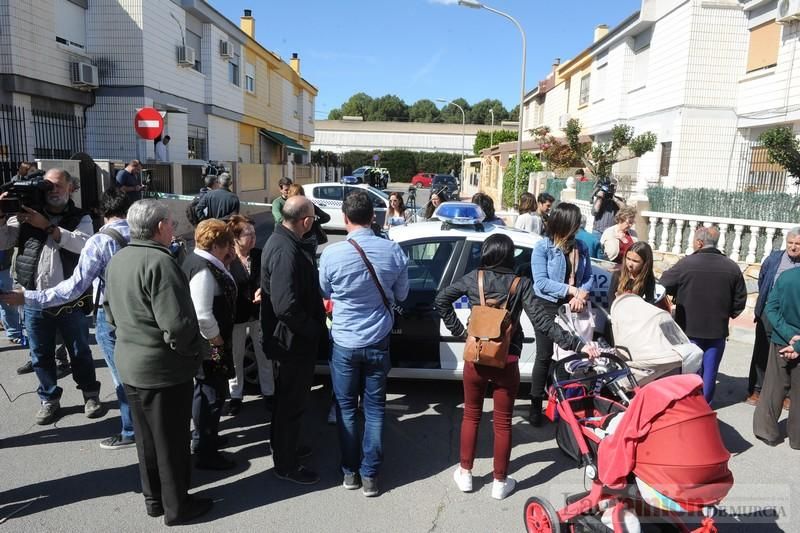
659 455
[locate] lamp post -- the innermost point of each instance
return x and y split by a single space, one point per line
477 5
463 133
491 131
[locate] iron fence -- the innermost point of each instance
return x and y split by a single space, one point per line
757 173
57 135
13 141
159 178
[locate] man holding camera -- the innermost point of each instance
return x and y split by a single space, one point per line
605 204
48 244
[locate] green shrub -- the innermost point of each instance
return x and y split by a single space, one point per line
530 163
403 164
772 207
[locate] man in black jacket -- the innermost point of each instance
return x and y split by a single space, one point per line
294 331
219 203
710 290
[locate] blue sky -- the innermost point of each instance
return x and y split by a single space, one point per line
424 48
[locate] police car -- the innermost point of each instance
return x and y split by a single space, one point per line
439 253
330 196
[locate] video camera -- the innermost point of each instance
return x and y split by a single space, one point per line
30 192
608 187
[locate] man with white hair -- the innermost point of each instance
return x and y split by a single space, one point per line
158 351
709 290
48 247
219 203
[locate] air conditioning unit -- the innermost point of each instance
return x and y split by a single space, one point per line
563 119
788 11
226 49
84 75
186 56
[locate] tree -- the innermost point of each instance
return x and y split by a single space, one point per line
388 107
484 139
335 114
513 115
558 156
424 111
358 105
530 163
480 112
601 157
452 115
783 149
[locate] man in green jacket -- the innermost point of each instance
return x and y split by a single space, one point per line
783 313
158 352
277 203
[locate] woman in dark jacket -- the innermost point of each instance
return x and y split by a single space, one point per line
246 271
497 265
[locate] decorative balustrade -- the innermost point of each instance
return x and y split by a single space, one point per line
748 241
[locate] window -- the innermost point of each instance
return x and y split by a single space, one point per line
764 42
600 83
198 142
641 51
584 94
427 263
249 77
666 154
331 192
522 260
194 41
70 22
233 69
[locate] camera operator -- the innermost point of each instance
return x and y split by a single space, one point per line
605 204
129 180
48 246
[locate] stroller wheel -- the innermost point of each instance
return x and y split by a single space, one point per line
540 517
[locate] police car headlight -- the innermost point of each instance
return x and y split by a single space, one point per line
459 213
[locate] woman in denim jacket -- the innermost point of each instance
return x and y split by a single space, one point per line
562 273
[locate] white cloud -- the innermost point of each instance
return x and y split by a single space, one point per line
444 2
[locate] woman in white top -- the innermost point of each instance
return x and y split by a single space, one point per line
617 239
397 214
528 219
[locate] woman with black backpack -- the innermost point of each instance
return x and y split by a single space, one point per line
495 276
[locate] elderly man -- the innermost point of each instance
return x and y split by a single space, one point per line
710 290
128 180
363 276
773 266
48 247
783 314
294 331
219 203
158 352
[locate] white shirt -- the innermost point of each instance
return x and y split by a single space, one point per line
203 287
161 151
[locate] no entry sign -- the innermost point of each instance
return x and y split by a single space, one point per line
148 123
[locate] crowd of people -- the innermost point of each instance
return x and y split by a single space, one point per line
174 333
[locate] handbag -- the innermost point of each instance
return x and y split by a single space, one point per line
489 330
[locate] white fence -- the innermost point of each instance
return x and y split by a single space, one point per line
748 241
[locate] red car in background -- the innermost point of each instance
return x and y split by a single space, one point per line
422 179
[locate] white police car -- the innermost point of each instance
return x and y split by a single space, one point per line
439 253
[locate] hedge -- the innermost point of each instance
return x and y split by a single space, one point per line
771 207
403 164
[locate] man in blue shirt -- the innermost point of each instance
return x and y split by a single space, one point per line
90 271
128 180
364 276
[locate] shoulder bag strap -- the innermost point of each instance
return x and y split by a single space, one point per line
574 258
480 288
122 243
372 274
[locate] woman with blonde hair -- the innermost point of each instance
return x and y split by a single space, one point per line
214 294
617 239
246 271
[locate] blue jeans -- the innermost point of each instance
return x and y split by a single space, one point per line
9 314
356 371
712 356
107 339
74 329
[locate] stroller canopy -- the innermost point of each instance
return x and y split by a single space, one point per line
649 334
669 438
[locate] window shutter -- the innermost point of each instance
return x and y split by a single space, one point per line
764 42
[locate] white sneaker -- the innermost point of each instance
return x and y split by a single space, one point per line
463 479
501 489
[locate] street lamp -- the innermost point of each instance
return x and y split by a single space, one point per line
463 133
491 131
477 5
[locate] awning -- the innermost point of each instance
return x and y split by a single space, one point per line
288 142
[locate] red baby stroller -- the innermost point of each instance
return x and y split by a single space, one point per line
654 459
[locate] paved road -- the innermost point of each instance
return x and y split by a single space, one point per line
71 484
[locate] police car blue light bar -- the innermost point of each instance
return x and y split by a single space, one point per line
459 213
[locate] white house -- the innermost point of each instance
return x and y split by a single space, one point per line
705 76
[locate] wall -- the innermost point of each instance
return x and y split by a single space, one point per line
223 139
114 33
342 141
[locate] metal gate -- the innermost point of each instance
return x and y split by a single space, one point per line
58 135
757 173
13 142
